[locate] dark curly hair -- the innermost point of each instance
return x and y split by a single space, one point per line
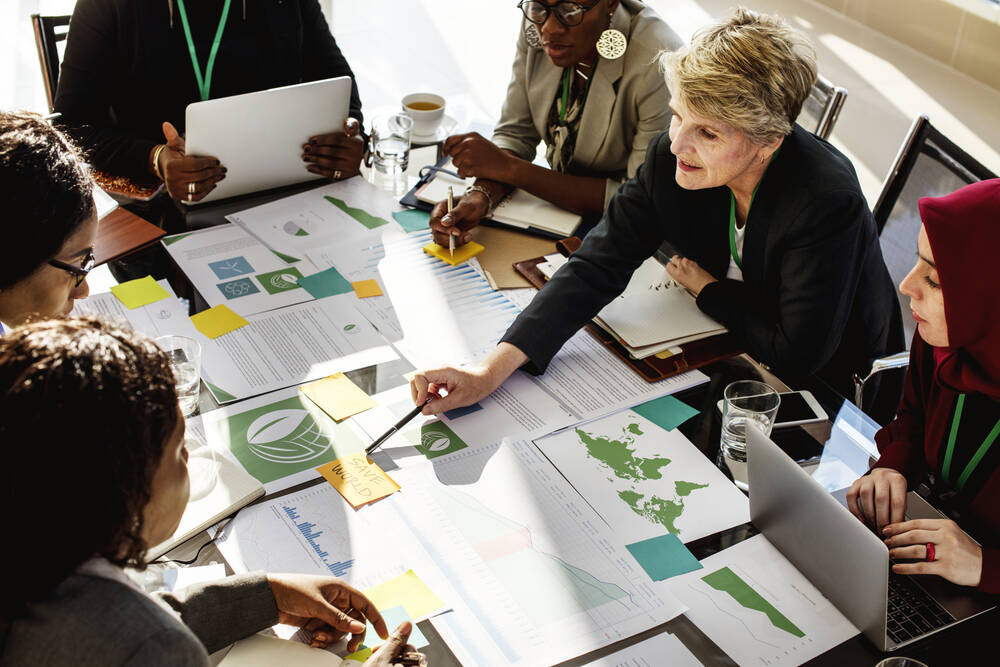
86 407
46 191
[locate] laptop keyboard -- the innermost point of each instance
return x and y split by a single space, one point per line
912 612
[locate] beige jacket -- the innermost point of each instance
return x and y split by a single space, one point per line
626 106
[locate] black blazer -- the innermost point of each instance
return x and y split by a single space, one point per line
816 295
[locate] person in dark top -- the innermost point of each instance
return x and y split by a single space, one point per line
943 441
798 277
132 67
50 221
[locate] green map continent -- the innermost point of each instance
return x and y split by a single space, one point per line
685 488
619 455
654 508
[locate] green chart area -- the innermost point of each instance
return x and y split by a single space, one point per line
544 585
618 455
728 582
364 217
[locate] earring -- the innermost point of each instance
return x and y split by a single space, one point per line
531 36
612 43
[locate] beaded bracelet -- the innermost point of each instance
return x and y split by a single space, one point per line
485 193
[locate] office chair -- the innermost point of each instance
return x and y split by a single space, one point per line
822 108
49 32
928 164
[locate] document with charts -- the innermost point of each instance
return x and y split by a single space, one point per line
758 608
645 481
229 266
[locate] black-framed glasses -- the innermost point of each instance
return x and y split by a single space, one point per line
567 13
86 266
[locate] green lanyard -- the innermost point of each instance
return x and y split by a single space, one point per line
204 84
733 252
976 458
565 91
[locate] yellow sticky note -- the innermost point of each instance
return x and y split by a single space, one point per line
367 288
358 479
338 396
139 292
462 254
361 654
406 590
217 321
666 354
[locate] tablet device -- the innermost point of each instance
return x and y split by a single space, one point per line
258 136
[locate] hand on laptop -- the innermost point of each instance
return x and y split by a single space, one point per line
955 556
336 155
878 498
187 177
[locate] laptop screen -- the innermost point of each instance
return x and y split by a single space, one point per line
847 452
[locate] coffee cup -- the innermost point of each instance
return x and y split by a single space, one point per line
426 110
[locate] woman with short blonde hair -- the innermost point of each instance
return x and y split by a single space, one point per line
775 237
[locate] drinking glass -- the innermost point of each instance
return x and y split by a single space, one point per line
390 143
747 403
185 358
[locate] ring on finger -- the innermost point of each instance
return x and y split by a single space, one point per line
337 174
930 552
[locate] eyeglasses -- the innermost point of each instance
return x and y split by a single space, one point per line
567 13
86 266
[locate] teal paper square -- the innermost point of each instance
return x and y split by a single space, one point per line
663 557
667 412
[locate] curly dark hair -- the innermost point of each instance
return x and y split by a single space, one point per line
86 408
46 191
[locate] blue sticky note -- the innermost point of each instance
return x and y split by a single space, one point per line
667 412
663 557
412 220
461 412
325 283
393 616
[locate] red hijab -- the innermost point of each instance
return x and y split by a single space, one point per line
963 229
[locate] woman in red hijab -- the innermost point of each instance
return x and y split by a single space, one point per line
944 438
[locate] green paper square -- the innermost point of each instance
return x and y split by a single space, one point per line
412 220
326 283
663 557
435 439
667 412
282 280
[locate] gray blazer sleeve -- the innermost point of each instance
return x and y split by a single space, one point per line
224 611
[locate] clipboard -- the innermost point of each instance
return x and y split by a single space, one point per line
429 172
692 355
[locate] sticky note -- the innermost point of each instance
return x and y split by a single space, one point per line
667 412
217 321
361 654
412 220
325 283
462 254
338 396
407 590
139 292
367 288
663 557
357 479
393 616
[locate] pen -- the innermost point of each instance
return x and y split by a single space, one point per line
398 425
451 237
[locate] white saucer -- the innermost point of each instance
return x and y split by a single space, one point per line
447 126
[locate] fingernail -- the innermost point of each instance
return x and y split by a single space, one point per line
307 148
446 219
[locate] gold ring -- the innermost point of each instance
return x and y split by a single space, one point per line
191 187
337 174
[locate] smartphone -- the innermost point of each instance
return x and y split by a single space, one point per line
797 407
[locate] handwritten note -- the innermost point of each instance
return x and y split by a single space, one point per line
358 479
338 396
139 292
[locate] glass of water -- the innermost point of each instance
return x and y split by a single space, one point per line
748 403
185 358
390 145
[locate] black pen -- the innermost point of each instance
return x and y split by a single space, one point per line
398 425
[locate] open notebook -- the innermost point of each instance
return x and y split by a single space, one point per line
518 209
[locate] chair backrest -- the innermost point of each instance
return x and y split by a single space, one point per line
928 164
822 108
49 32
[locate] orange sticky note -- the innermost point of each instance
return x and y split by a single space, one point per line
358 479
462 254
367 288
338 396
139 292
217 321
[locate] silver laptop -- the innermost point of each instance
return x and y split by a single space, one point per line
259 136
844 558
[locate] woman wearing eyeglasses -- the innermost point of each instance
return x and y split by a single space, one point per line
48 245
582 83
